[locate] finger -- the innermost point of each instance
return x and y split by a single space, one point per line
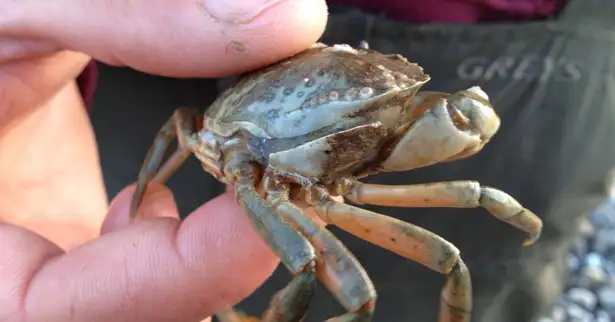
152 270
14 48
22 254
27 84
180 38
50 177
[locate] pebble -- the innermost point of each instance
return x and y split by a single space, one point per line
590 293
591 277
606 298
580 247
594 259
545 319
586 229
574 262
558 314
605 242
583 297
578 314
602 316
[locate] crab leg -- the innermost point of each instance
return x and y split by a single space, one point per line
414 243
457 194
293 249
180 125
337 268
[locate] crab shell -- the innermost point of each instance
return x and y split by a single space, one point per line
321 114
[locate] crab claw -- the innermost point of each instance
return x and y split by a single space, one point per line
473 112
451 127
533 226
531 239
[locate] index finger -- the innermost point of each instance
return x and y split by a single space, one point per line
179 38
153 270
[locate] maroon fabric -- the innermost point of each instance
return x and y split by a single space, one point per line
457 10
87 83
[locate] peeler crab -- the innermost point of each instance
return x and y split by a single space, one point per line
297 133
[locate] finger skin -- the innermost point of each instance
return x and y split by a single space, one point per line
179 38
50 177
153 270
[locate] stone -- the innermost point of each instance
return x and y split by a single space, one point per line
604 216
602 316
586 228
606 298
574 263
604 242
583 297
609 267
591 277
580 247
558 313
545 319
594 259
578 314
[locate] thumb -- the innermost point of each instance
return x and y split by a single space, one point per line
179 38
158 269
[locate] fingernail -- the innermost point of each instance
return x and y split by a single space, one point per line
236 12
158 201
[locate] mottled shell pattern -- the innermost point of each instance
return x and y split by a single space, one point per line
315 89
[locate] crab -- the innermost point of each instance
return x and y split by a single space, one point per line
302 132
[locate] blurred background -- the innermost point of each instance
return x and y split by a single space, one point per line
549 69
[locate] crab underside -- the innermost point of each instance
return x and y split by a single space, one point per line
275 199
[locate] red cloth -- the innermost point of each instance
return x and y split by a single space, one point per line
467 11
456 10
87 83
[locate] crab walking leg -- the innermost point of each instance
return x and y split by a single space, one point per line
414 243
180 125
457 194
337 268
293 249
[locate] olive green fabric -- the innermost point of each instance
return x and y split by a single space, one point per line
552 84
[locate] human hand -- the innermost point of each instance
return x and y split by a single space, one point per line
65 255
